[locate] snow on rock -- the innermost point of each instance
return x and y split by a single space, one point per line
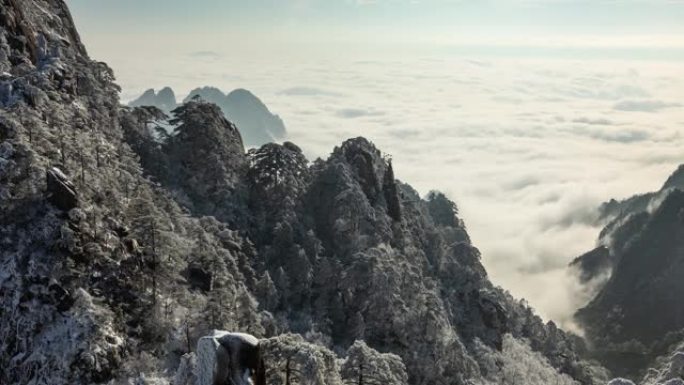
79 340
676 369
620 381
670 373
207 353
62 191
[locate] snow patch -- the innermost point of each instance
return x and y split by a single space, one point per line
620 381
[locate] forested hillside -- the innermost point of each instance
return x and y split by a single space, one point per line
122 244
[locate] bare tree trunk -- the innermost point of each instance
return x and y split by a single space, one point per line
154 262
287 372
187 333
361 374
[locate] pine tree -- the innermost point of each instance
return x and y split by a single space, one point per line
267 293
365 366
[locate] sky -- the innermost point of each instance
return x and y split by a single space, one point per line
527 113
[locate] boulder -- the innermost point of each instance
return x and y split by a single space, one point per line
223 355
61 192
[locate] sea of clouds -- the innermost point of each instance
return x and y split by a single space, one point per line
528 147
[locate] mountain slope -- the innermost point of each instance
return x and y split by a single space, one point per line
121 246
89 262
638 313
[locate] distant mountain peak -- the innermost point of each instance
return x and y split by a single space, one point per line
168 237
257 124
255 121
165 100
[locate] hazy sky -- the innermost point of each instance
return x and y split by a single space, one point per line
462 21
528 113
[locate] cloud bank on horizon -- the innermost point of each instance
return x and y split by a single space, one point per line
527 141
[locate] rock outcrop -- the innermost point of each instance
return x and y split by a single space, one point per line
225 357
62 193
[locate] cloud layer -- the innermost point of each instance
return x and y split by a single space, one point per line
526 147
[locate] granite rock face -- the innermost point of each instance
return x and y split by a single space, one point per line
312 256
207 348
52 328
62 191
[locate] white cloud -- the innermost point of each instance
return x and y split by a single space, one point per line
644 105
527 148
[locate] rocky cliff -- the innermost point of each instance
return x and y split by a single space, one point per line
122 245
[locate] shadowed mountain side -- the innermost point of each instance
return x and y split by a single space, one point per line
638 312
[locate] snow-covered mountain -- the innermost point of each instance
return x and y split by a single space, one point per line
121 244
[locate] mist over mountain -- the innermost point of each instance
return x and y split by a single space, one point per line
122 246
256 123
636 315
129 232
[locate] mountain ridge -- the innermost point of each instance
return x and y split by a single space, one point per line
257 124
169 237
635 315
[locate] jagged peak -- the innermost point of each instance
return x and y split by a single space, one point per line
149 92
358 144
207 92
365 159
167 91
